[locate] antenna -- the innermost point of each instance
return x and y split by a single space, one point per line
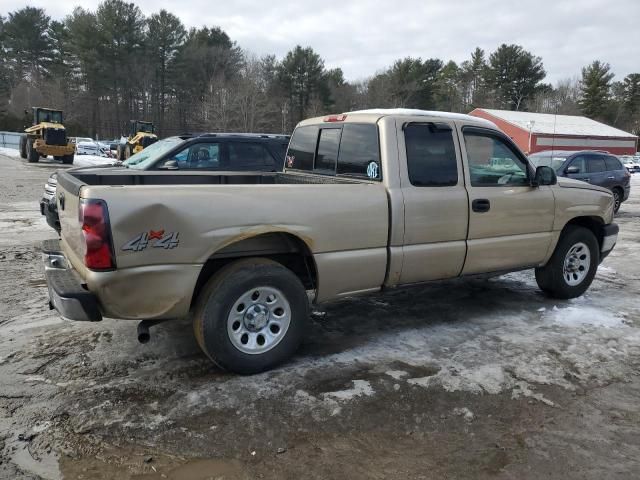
553 138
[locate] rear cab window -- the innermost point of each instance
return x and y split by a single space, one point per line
350 149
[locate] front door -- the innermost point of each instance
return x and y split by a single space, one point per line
510 221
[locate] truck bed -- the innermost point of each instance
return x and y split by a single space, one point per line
73 180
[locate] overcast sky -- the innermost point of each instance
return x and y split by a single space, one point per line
364 36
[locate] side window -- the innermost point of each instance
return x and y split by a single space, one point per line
579 163
328 147
302 148
198 156
359 152
612 164
431 156
247 156
492 162
595 164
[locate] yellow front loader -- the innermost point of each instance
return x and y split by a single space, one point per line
47 136
140 137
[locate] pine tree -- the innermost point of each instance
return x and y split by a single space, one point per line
595 90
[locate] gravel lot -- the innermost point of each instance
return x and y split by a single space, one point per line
466 379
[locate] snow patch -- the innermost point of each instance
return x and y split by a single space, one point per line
464 412
579 316
360 388
92 160
397 374
10 152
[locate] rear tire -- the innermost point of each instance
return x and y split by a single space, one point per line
23 146
67 159
251 316
574 263
617 199
127 151
32 155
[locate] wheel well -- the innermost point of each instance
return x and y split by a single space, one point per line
592 223
284 248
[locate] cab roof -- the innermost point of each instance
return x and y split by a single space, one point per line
375 114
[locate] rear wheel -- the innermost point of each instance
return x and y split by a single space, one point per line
67 159
23 146
617 199
32 155
251 316
127 151
571 269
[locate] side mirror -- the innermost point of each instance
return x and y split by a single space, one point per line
170 165
572 169
545 176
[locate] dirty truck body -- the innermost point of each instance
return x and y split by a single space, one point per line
368 200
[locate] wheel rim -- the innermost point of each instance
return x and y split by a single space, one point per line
616 201
259 320
576 264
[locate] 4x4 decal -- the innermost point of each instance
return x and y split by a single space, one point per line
153 238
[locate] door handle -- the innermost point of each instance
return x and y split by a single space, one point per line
611 178
480 205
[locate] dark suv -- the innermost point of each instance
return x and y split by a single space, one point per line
203 152
596 167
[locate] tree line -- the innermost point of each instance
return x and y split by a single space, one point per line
113 64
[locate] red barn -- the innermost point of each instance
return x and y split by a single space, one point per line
536 132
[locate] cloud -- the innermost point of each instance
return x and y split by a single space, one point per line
364 36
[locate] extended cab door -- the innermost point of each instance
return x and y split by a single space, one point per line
510 221
436 207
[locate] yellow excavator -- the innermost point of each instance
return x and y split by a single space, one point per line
140 137
47 136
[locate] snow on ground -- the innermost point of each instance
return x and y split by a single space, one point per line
92 160
9 152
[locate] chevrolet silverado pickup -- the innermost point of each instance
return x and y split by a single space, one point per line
367 201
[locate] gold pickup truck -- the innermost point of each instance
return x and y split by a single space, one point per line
367 201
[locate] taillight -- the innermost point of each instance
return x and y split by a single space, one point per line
335 118
94 221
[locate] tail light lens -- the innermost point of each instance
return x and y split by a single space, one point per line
94 220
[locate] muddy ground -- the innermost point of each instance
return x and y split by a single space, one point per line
466 379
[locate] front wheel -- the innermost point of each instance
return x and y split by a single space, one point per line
571 269
251 316
23 146
32 155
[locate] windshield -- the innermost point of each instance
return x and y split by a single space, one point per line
49 116
145 127
547 161
147 157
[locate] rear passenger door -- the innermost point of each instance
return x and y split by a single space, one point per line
248 156
597 169
435 201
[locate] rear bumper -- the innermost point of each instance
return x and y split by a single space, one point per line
609 239
66 293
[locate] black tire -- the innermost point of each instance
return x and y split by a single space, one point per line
617 199
67 159
23 146
32 155
552 278
127 151
223 291
120 152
